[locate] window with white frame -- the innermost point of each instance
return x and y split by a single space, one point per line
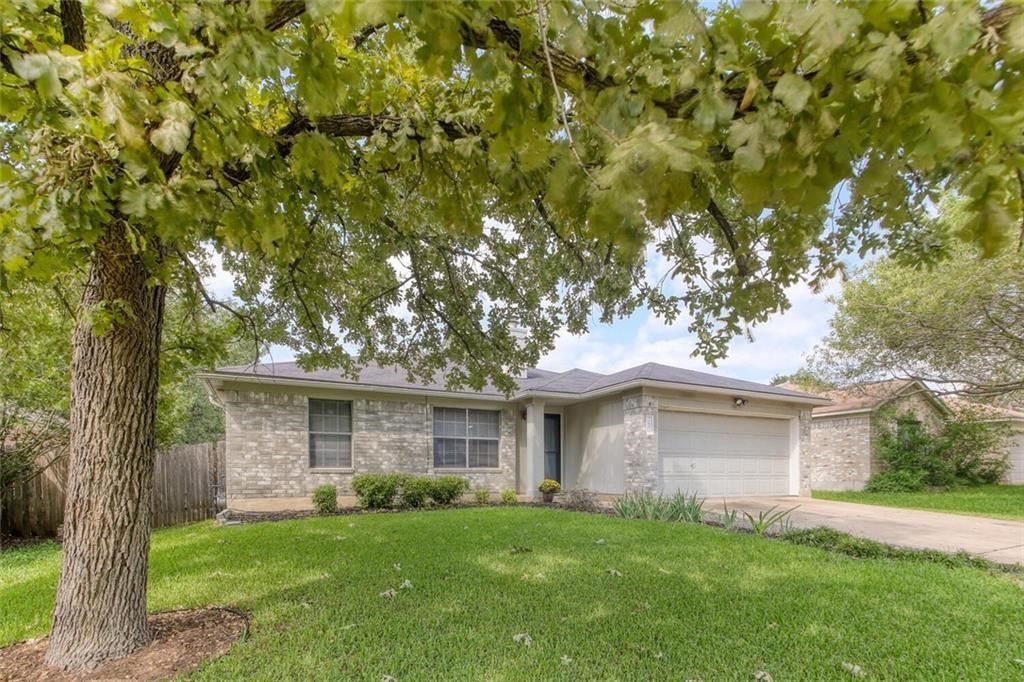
330 434
465 439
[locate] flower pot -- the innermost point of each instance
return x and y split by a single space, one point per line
547 497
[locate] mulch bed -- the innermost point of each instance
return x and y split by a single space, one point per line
182 641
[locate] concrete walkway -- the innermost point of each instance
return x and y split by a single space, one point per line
993 539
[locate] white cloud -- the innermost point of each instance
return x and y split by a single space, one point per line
778 346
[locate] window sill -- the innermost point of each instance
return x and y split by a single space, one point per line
468 470
330 470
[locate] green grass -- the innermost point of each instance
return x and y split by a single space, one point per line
996 501
691 601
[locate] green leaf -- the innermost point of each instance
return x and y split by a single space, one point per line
173 134
748 159
793 91
31 67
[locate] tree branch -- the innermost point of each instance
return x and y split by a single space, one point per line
742 267
72 23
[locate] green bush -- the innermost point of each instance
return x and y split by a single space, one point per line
976 449
907 446
647 505
966 450
414 491
376 491
509 497
325 499
482 496
896 481
448 489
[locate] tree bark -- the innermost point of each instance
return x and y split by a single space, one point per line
101 599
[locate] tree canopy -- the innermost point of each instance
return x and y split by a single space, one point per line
398 181
958 324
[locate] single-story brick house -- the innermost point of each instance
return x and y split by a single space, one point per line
842 450
650 427
843 433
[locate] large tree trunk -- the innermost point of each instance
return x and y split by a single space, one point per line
101 600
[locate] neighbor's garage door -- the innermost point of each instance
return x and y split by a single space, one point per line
719 456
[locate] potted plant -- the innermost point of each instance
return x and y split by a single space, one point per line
548 487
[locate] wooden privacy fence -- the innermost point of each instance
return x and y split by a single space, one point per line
188 482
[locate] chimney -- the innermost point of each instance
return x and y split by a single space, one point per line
518 334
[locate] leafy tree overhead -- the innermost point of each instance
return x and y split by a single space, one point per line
958 325
399 181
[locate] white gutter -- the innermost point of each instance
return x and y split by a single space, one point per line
677 386
368 388
842 413
607 390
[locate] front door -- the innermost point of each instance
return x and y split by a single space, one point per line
553 447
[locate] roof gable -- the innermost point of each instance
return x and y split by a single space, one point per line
869 397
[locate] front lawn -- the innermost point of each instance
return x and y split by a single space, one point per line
997 501
599 598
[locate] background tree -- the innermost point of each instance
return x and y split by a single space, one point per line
806 378
399 181
35 354
957 324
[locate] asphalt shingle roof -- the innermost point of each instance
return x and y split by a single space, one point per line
578 382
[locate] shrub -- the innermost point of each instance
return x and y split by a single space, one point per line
967 450
414 491
896 481
376 491
647 505
549 485
976 449
447 489
908 446
482 496
582 500
509 497
325 499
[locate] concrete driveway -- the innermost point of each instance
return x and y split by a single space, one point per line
993 539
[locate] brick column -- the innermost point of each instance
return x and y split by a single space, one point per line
640 415
806 454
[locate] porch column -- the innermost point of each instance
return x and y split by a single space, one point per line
534 447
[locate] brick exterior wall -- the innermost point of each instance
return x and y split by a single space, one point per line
640 437
841 452
267 445
805 432
843 446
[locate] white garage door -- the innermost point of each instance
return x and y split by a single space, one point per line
1016 473
721 456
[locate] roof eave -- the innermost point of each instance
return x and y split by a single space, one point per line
675 386
366 388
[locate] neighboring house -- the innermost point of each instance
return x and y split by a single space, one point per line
650 427
842 452
1015 420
